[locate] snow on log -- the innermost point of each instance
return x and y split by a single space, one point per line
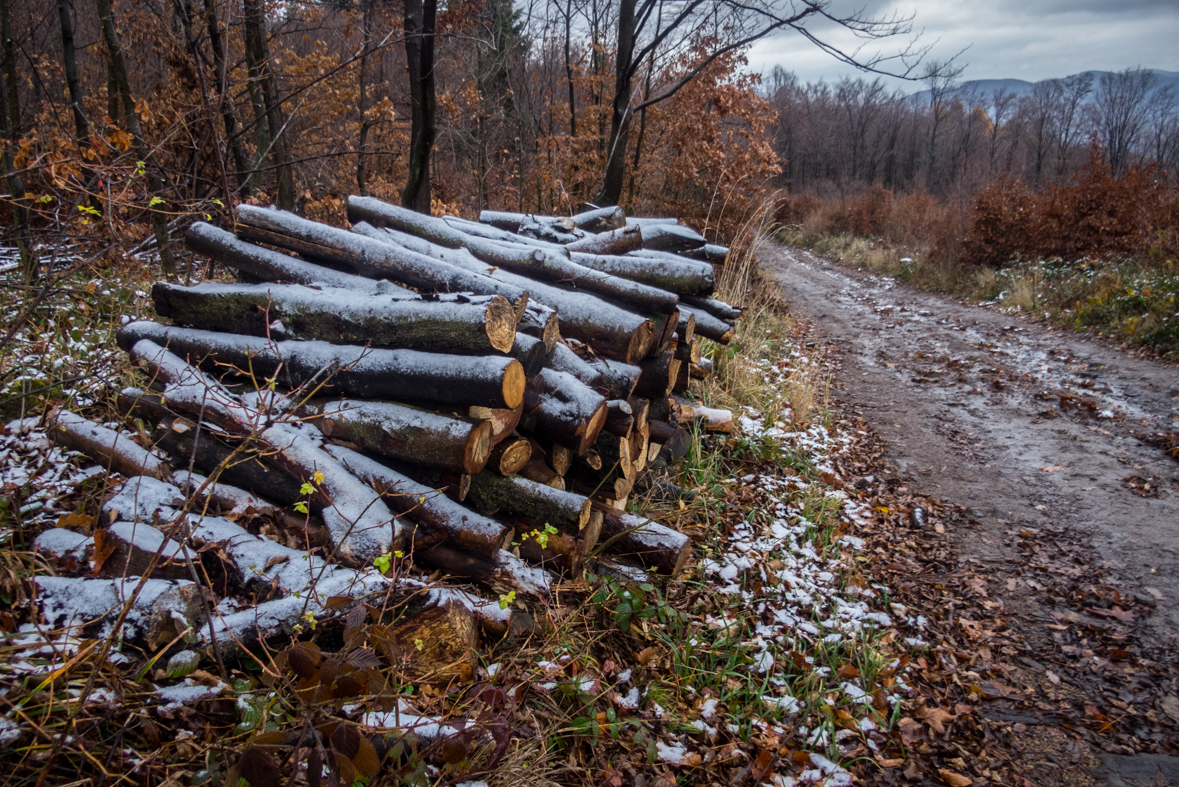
292 311
94 606
599 219
423 504
114 450
269 265
530 502
564 359
404 433
709 252
530 352
670 237
616 378
360 371
673 274
654 545
563 409
707 325
502 573
619 241
718 309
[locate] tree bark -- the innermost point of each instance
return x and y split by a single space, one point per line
563 409
404 375
680 276
404 433
224 100
81 125
652 544
533 503
419 53
620 241
114 450
155 186
262 75
10 123
342 316
707 325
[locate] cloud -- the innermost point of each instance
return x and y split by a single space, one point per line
1002 39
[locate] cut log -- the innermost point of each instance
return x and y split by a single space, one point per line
530 352
268 265
677 275
662 408
609 327
113 450
537 470
615 378
670 237
138 549
533 503
658 375
423 504
146 406
404 433
502 573
372 374
438 643
718 309
490 232
620 417
685 331
564 359
558 456
670 327
709 252
713 420
599 219
652 544
540 322
510 455
503 421
291 311
646 221
619 241
563 409
159 605
688 352
708 326
559 552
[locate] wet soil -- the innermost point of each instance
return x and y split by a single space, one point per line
1070 519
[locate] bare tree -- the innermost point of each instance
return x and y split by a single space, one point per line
1121 108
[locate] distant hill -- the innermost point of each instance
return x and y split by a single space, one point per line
1020 87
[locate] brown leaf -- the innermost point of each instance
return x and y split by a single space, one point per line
911 731
648 655
275 560
936 718
79 520
954 779
366 760
104 547
258 768
1170 705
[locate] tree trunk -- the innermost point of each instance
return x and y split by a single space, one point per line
681 276
366 34
614 177
224 100
404 433
533 503
618 241
563 409
81 126
10 129
342 316
154 185
262 77
114 450
419 54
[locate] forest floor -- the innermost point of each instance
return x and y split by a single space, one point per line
1052 569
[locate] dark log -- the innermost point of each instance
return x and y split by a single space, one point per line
559 552
268 265
718 309
709 252
510 455
423 504
686 330
658 375
619 241
677 275
563 409
530 352
486 325
113 450
150 407
616 379
620 417
599 219
662 408
502 573
651 543
536 469
688 352
503 421
404 433
218 458
540 322
671 237
438 643
533 503
361 372
708 326
564 359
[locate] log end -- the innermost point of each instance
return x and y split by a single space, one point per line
513 384
478 448
501 319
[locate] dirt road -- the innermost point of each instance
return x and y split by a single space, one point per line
1029 429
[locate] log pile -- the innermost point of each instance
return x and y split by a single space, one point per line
481 398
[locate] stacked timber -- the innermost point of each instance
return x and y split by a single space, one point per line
481 398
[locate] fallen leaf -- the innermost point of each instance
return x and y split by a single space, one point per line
1052 677
885 763
911 731
1051 469
954 779
648 655
936 718
1170 705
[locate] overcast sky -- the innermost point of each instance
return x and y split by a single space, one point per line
1018 39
